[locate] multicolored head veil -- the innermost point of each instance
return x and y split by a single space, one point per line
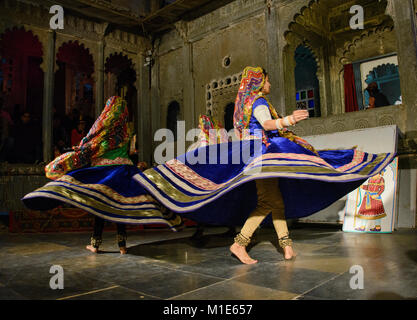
207 123
253 80
109 132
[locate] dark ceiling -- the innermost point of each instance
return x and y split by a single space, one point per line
130 15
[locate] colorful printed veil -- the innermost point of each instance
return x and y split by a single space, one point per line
207 123
253 79
109 132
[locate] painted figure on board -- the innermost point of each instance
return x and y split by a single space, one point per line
372 206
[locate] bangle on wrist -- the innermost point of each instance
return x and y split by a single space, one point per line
287 122
278 124
292 120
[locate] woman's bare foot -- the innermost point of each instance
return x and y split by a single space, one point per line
289 253
123 250
241 254
91 248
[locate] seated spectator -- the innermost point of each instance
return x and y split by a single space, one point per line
60 136
78 133
26 140
376 98
6 140
70 121
86 117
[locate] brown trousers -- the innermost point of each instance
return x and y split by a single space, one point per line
269 201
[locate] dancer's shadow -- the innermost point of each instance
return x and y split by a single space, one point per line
412 255
307 231
220 240
107 252
184 250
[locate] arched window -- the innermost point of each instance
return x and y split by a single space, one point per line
120 80
172 117
22 76
228 116
306 82
74 74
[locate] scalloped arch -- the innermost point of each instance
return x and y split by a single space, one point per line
300 12
18 39
313 52
77 55
120 59
349 46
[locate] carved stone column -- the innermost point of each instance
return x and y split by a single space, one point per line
274 57
403 14
187 62
101 30
144 134
48 96
155 106
100 79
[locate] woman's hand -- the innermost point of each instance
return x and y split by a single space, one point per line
299 115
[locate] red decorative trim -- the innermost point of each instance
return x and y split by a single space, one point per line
357 159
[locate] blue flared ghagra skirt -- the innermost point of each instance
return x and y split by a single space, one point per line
219 188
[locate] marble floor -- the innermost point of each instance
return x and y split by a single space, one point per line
165 265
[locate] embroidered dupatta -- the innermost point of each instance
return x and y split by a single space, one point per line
109 132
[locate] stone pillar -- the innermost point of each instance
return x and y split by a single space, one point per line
144 134
327 86
287 78
100 79
188 93
403 14
274 58
48 97
155 106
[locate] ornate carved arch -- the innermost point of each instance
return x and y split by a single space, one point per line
344 54
62 40
29 42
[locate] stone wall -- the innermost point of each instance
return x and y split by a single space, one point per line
16 181
241 30
243 43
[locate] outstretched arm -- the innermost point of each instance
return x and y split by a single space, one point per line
268 124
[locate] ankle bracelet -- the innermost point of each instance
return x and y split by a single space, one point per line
285 241
96 242
242 240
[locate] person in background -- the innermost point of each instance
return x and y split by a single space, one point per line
376 97
60 136
71 120
6 124
25 140
37 129
85 114
78 133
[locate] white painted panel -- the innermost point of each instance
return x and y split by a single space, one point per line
372 140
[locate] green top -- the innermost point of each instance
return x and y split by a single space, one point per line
121 152
116 153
